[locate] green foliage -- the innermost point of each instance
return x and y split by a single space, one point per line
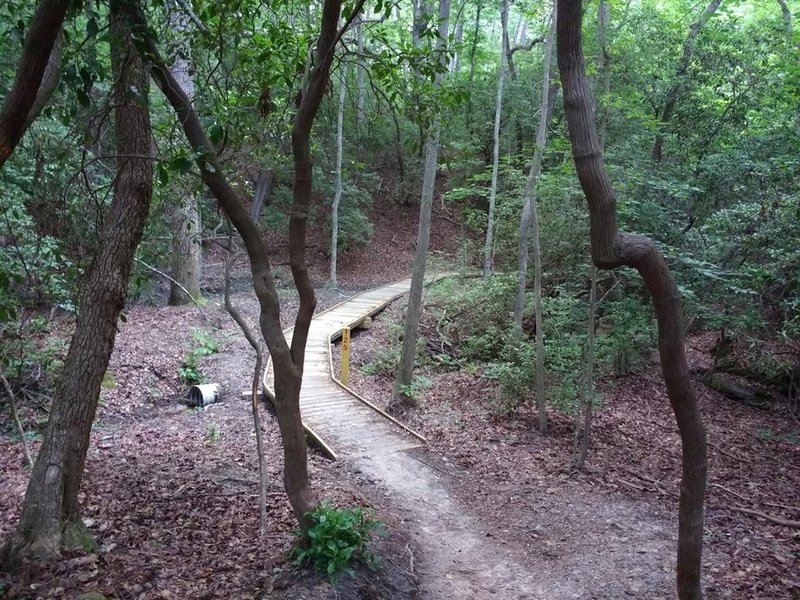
335 538
476 318
386 361
355 228
627 334
204 345
414 390
212 432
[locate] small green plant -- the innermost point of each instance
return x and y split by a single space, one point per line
204 345
415 388
335 538
384 363
212 432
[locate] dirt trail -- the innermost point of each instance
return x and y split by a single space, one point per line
459 561
613 549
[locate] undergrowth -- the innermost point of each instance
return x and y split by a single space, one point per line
336 538
205 344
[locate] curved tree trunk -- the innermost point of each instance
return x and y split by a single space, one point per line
287 360
51 518
184 213
611 249
36 54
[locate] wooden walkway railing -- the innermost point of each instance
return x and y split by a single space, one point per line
333 415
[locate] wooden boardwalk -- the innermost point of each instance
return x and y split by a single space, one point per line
336 419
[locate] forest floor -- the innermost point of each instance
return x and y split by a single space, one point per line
171 493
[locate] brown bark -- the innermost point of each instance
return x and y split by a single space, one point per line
50 518
287 361
611 249
50 79
36 54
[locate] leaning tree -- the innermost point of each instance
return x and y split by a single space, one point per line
612 248
51 515
287 357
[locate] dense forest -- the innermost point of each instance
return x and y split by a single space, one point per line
558 240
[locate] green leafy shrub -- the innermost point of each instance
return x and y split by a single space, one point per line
415 388
337 537
204 345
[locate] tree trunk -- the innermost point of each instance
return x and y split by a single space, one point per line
287 360
361 86
787 16
337 196
583 430
405 372
36 54
529 201
611 249
261 193
185 214
671 100
458 38
488 248
51 518
50 79
604 71
473 50
529 223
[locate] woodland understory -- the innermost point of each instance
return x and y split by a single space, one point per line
606 376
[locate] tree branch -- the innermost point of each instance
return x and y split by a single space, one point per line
36 54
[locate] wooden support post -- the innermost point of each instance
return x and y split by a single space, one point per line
345 376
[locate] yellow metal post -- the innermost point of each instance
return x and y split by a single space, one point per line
345 377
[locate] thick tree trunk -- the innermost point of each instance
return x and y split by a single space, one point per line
36 54
611 249
337 195
405 372
673 94
287 361
488 248
51 518
185 213
530 220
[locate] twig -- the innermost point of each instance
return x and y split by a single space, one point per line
653 482
728 454
784 506
410 559
763 515
730 491
15 415
185 291
187 10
